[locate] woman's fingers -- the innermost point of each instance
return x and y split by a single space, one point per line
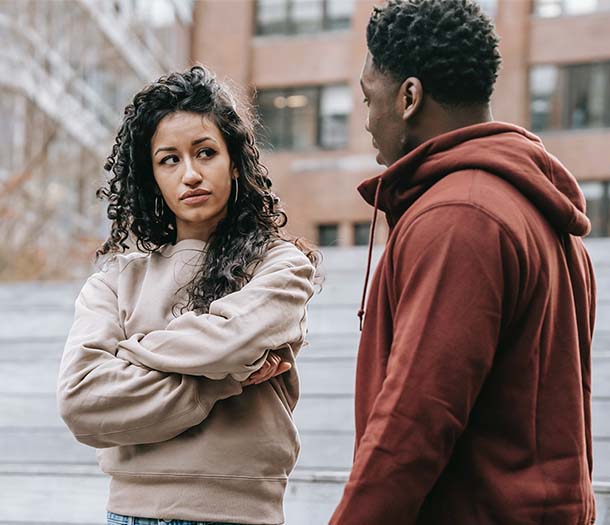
274 361
284 366
261 374
272 367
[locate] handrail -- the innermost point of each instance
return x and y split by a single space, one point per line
65 70
25 75
139 59
341 476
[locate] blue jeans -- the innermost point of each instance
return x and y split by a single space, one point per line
117 519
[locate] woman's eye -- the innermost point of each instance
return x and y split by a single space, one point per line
169 159
205 153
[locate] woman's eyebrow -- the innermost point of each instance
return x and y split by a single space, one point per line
194 143
166 148
202 139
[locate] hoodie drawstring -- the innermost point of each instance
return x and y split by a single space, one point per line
362 310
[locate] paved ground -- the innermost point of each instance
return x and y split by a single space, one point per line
47 477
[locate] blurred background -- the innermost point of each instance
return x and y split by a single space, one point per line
67 70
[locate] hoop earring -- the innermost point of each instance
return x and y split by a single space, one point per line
159 207
236 192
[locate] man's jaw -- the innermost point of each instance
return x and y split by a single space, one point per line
380 159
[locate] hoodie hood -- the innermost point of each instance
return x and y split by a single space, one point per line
505 150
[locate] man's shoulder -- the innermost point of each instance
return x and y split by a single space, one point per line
473 186
473 207
492 196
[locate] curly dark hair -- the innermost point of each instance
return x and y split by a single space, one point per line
449 45
253 221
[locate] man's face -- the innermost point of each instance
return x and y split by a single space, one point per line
385 112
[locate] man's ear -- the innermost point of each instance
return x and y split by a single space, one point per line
410 97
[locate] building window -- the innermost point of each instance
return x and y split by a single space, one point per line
335 106
338 14
597 195
570 97
328 234
361 233
302 16
271 17
553 8
304 118
543 103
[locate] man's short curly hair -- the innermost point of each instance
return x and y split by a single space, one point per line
449 45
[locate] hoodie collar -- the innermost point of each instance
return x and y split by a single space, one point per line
505 150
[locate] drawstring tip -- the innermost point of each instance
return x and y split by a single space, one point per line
361 318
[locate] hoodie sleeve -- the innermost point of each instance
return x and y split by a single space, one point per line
240 328
449 270
106 401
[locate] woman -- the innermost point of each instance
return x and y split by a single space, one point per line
214 301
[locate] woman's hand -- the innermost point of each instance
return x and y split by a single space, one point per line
273 366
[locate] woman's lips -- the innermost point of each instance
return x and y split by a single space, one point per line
197 199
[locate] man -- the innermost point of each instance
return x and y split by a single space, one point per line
473 379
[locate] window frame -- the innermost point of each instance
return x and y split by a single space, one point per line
364 226
563 9
289 23
603 220
560 113
287 119
330 225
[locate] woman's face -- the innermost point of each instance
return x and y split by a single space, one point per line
190 156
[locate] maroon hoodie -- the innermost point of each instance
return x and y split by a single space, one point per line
473 381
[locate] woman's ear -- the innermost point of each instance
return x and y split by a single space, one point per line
234 171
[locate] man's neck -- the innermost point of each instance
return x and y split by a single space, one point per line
467 116
440 119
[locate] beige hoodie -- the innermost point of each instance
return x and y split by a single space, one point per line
176 444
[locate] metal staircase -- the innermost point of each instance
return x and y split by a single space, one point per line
32 65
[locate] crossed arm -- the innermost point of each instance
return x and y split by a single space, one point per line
235 336
109 396
107 401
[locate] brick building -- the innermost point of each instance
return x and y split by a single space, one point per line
303 58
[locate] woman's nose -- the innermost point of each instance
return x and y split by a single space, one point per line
191 175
